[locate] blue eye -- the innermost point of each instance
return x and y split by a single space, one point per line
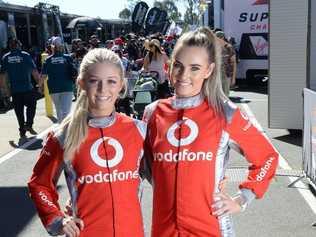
195 68
93 81
112 82
177 65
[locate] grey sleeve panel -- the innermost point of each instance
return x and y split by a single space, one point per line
221 160
234 145
142 127
140 190
149 110
229 110
60 134
71 177
248 195
145 169
54 228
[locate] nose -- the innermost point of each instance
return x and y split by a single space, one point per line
184 73
102 86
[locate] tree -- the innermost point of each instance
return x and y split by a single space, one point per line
191 15
131 4
170 7
190 18
125 14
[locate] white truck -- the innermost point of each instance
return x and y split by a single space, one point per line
247 22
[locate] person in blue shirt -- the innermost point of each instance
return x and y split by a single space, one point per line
59 68
19 68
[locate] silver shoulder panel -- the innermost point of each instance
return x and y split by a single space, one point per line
229 110
141 126
149 110
222 157
60 134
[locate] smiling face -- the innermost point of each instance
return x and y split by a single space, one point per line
103 85
190 68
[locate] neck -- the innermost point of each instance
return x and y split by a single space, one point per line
187 102
188 97
101 114
101 122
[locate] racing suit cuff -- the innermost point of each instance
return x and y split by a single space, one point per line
245 197
55 227
248 195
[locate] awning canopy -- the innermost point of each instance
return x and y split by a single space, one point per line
84 22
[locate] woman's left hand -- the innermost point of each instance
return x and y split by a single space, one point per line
224 204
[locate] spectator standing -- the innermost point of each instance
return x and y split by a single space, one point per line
78 51
116 49
94 42
132 49
59 68
20 68
155 60
109 44
228 63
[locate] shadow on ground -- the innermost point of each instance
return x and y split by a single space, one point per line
238 100
35 146
252 86
17 210
294 138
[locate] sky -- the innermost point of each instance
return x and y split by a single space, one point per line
106 9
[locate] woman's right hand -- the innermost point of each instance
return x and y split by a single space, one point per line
223 184
72 226
68 208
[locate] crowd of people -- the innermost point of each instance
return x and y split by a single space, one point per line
22 74
181 146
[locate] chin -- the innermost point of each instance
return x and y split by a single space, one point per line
182 93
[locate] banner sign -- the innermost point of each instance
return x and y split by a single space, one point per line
152 20
138 16
163 15
309 139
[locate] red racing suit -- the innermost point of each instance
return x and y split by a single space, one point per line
187 147
102 179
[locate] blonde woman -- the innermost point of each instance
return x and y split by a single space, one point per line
188 142
93 147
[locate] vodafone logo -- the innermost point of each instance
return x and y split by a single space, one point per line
102 162
184 155
194 131
264 170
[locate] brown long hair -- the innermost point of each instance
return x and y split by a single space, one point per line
212 87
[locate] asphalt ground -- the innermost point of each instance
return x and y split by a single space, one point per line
282 212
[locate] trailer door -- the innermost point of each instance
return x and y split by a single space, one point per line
288 60
312 47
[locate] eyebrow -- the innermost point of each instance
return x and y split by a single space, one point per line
95 75
109 77
192 65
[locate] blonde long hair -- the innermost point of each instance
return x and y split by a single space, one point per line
212 87
75 125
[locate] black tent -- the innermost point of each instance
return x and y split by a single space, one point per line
84 21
